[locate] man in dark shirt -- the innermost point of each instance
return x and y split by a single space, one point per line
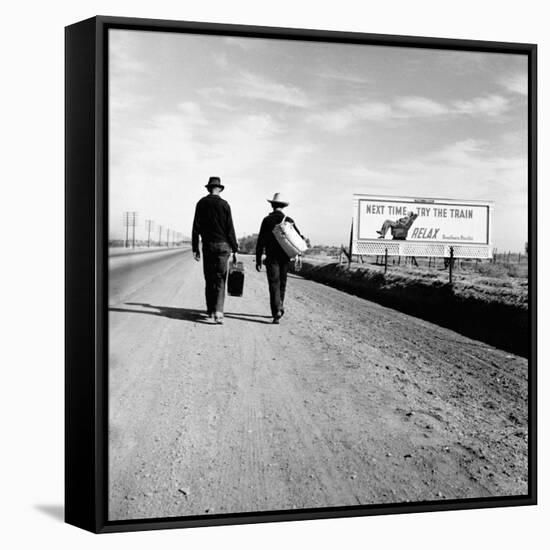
277 260
214 224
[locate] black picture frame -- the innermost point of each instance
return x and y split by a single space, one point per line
86 179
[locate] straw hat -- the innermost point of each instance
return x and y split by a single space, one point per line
278 198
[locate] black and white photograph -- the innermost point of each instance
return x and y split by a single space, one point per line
273 275
318 286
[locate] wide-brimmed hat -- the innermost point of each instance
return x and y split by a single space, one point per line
214 181
278 198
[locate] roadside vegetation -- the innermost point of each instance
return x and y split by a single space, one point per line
487 301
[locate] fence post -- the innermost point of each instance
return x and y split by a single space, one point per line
451 261
386 260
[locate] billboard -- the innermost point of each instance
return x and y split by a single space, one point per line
433 225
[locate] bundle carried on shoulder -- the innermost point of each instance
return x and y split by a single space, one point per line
289 239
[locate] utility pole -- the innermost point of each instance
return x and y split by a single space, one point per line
125 223
129 220
168 238
160 234
149 224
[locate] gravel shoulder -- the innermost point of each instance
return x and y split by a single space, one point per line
345 402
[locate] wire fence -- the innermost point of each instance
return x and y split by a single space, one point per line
501 265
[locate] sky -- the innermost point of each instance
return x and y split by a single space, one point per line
315 121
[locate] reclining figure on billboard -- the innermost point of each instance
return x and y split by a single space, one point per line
399 228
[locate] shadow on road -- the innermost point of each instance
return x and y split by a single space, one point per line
186 314
55 511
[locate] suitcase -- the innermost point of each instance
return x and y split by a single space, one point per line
235 279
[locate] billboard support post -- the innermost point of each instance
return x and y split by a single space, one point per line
451 262
350 244
386 260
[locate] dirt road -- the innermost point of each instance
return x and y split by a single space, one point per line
345 402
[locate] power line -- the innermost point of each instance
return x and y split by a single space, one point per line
130 220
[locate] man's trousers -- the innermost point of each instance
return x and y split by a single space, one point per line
387 225
277 271
214 263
